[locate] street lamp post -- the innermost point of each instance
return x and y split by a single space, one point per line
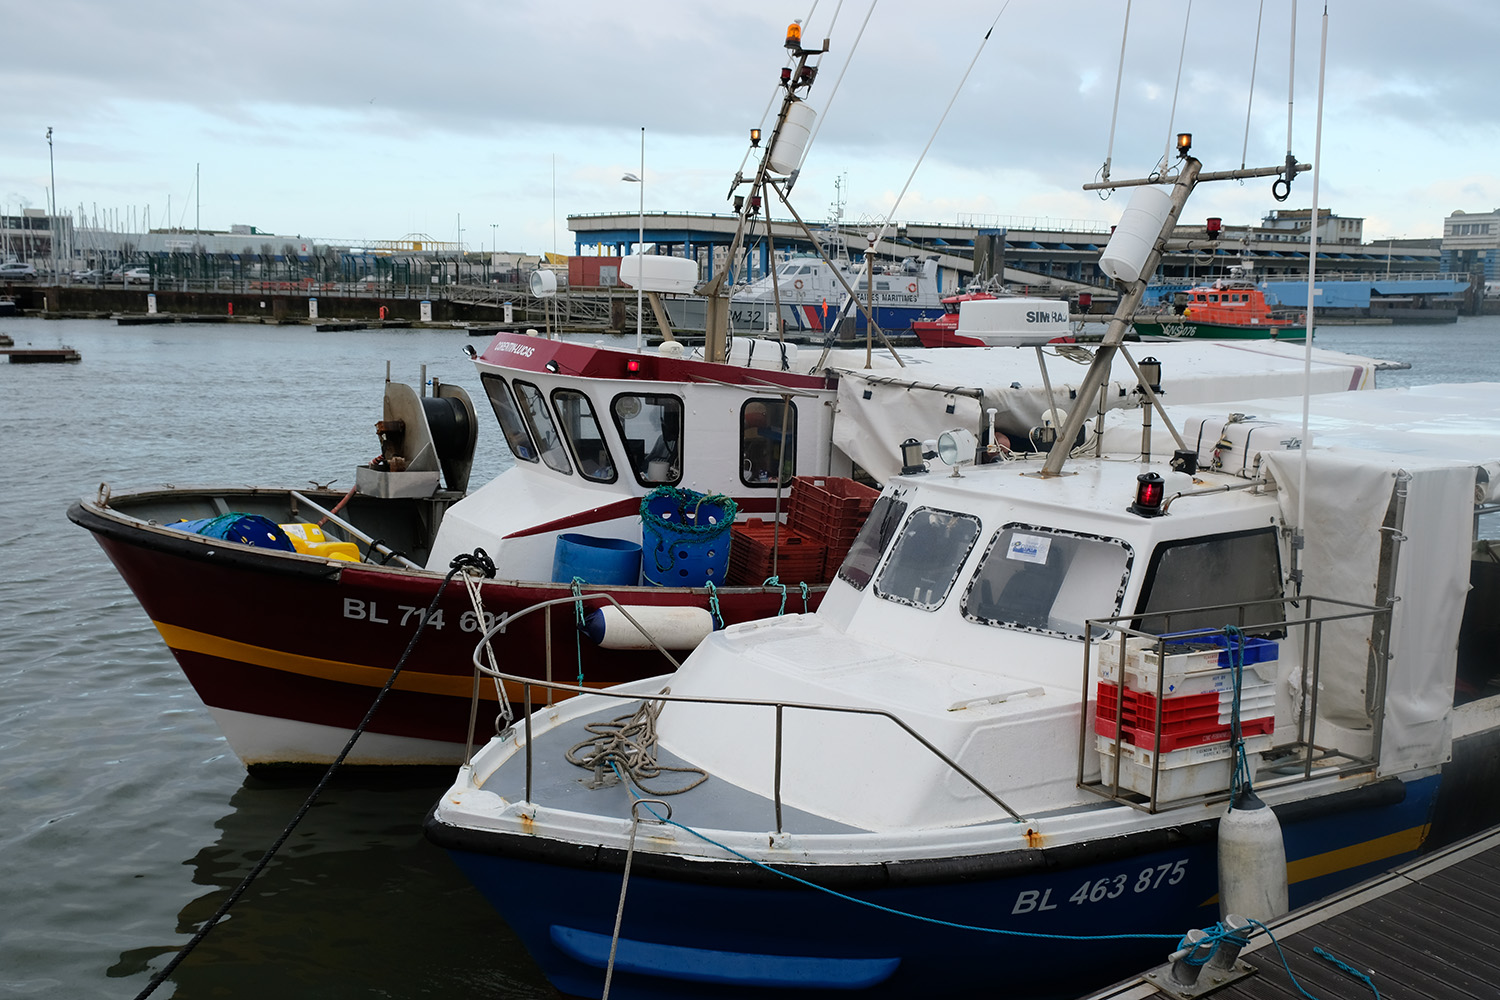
52 222
640 239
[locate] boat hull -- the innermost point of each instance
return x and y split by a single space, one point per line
289 651
697 928
1183 328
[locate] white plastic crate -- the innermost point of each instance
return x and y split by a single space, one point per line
1200 770
1195 672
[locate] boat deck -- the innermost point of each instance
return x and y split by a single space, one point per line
1426 929
715 804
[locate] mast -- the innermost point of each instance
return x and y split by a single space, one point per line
798 77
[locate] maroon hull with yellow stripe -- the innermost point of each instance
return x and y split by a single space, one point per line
288 651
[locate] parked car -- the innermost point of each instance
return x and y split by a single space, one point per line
88 274
134 274
16 271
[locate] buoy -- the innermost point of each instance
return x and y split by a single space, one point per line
1252 861
673 628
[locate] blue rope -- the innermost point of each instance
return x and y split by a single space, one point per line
1292 976
803 585
886 909
1206 949
713 603
1240 783
1345 966
775 581
578 624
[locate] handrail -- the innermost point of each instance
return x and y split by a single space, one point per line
527 683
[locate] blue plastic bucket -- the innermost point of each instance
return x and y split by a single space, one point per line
597 561
685 537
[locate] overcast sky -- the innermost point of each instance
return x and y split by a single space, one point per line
373 120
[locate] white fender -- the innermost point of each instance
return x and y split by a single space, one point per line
1252 861
673 628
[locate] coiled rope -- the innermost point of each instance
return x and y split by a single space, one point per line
477 562
627 746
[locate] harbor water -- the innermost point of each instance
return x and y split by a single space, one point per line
125 820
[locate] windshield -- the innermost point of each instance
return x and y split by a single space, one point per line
928 555
1234 569
1047 580
542 427
517 437
581 428
873 539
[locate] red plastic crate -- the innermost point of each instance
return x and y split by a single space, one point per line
799 556
1178 740
831 508
1186 720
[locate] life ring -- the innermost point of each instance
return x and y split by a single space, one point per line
797 283
912 287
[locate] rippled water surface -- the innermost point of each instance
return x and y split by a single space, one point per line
125 820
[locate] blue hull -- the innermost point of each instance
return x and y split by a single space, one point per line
726 932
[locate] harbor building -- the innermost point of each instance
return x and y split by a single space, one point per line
1471 243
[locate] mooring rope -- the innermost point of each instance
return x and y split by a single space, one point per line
479 562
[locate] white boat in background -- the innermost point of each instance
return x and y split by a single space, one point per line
812 297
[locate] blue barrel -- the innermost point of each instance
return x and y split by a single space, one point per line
597 561
685 537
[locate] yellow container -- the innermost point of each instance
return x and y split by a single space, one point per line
309 540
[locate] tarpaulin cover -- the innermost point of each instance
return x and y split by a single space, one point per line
247 529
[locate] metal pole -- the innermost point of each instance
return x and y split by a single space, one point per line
639 247
52 211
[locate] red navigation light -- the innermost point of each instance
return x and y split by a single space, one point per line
633 365
786 74
1215 225
1150 491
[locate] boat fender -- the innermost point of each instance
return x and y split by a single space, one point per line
674 628
1252 861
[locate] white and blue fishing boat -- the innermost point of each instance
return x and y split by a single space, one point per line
812 292
998 756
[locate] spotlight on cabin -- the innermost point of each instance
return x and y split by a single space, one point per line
911 457
755 137
957 448
1150 373
1150 491
1184 143
553 367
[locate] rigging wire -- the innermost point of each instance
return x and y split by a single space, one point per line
1166 158
885 227
840 79
1109 150
1312 274
1250 102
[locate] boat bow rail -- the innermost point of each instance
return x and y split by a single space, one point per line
633 693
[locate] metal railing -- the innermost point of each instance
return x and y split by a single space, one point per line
779 707
1300 759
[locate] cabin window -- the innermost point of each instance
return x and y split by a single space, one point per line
927 556
882 286
762 447
517 437
873 539
581 428
1234 570
542 428
651 427
1048 580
